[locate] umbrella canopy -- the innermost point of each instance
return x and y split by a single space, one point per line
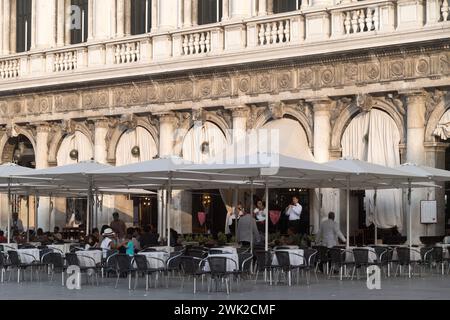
69 175
265 167
9 170
433 174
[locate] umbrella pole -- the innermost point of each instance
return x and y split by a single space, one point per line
267 219
251 214
409 210
348 212
28 217
169 200
236 201
96 209
9 210
89 209
374 213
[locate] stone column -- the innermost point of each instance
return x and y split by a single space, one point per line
91 20
269 6
42 134
240 116
128 17
120 18
45 24
262 7
195 12
6 26
100 155
1 32
168 14
225 10
60 29
187 11
13 26
241 9
415 153
324 200
67 22
154 15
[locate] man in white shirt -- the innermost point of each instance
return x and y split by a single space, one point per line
16 223
329 232
294 211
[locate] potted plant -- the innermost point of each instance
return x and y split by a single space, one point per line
221 239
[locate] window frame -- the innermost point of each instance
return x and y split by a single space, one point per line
138 26
76 35
204 15
24 13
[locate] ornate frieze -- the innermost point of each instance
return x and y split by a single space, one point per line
269 79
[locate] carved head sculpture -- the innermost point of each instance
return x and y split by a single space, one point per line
276 109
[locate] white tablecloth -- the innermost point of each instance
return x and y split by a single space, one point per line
60 248
86 262
9 246
349 257
24 255
232 263
153 263
294 259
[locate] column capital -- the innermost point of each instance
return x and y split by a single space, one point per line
320 103
43 127
167 117
241 111
413 93
101 122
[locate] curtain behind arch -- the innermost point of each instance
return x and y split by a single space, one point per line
374 137
139 137
77 141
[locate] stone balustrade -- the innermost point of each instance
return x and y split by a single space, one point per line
274 32
445 11
127 52
9 69
403 20
65 61
197 43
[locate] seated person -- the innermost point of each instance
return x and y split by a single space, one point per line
149 238
2 237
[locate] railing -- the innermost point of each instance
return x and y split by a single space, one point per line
445 10
361 20
358 20
65 61
197 43
274 32
9 68
128 52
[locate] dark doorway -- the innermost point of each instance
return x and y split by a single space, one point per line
141 16
209 11
147 210
210 202
447 191
280 6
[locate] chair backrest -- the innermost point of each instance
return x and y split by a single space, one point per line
438 254
55 259
174 261
404 255
384 254
43 251
263 259
426 254
283 258
148 250
245 257
217 265
123 263
215 251
189 264
310 256
2 259
72 259
14 258
361 256
197 253
26 246
141 262
337 255
322 253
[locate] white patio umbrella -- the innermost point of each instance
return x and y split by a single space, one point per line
361 172
7 171
69 176
269 170
433 174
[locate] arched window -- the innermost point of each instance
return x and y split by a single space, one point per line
141 16
280 6
23 27
209 11
79 35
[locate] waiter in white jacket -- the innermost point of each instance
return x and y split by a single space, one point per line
329 232
294 210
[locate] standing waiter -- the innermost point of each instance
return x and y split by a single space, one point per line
294 210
